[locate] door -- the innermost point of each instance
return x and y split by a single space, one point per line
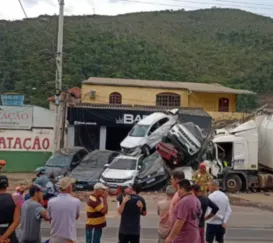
240 155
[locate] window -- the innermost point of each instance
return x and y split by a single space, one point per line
115 98
168 99
163 121
223 105
153 128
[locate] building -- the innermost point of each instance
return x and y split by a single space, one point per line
217 100
26 134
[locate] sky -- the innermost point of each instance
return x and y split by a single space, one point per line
11 10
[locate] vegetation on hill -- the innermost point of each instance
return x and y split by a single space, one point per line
230 47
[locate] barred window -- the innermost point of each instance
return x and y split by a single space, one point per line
115 98
223 105
168 100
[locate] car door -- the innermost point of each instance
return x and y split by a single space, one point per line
158 131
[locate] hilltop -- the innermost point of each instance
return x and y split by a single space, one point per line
231 47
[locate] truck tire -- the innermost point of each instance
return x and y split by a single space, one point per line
233 183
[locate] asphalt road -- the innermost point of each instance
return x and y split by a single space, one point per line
257 235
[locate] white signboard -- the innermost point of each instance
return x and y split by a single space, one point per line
38 140
16 117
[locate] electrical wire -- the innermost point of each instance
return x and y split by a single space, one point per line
22 7
246 5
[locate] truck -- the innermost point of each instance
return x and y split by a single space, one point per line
242 157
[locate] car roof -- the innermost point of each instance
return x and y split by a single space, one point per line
148 120
69 151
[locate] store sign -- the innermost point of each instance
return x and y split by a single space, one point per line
129 119
15 117
27 141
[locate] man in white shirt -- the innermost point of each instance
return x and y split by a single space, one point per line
216 226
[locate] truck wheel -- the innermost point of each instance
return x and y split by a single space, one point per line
233 183
145 150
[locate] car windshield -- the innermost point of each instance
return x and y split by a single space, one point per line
59 160
139 131
96 159
123 164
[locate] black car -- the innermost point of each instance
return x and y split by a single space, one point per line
153 172
64 161
87 174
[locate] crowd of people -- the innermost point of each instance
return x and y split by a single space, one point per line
184 213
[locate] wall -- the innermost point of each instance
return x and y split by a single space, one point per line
130 95
210 101
24 151
218 116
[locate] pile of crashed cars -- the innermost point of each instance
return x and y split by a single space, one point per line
155 145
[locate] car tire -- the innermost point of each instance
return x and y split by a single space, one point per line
146 150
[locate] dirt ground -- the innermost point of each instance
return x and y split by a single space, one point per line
258 200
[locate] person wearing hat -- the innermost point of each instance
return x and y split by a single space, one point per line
9 213
202 178
32 214
63 212
97 208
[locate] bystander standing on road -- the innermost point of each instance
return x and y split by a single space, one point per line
163 207
97 208
130 206
216 226
186 216
63 212
177 175
31 215
205 204
9 213
202 178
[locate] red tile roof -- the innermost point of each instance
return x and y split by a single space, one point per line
76 91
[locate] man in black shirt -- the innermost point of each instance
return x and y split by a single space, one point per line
205 203
130 206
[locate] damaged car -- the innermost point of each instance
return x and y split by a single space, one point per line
147 133
153 173
88 173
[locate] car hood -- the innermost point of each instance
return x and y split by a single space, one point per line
57 171
86 175
132 142
153 168
118 174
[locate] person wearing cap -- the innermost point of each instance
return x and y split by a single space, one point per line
216 226
32 214
97 208
42 179
9 212
202 178
64 211
205 204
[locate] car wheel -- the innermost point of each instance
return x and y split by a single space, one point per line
233 183
145 150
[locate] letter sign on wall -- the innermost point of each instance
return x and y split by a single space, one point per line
16 117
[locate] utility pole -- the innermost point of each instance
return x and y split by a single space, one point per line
64 113
59 75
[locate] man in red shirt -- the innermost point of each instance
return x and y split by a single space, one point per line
186 216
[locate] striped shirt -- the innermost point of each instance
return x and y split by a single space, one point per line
95 218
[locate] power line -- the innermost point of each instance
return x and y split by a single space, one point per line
22 7
246 5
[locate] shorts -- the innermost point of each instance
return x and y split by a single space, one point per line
215 232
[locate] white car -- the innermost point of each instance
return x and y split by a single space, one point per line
187 136
147 133
122 171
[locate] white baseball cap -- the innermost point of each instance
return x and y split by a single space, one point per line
99 185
